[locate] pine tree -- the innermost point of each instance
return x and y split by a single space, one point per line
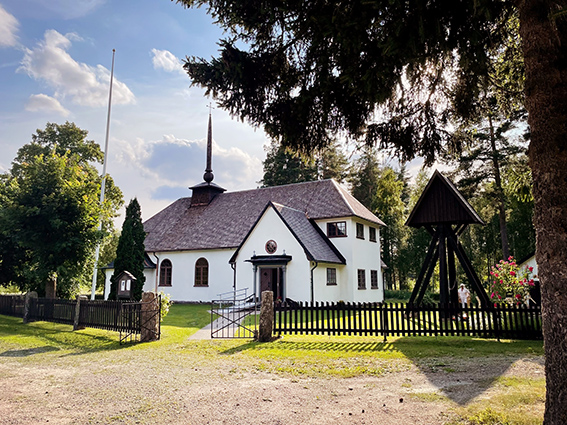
130 252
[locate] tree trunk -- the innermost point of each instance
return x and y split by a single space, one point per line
499 193
545 56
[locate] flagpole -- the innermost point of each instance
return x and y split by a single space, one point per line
103 183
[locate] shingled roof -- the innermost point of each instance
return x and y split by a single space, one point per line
225 222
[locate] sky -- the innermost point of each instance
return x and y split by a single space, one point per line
55 62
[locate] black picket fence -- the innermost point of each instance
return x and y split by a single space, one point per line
376 319
12 305
118 316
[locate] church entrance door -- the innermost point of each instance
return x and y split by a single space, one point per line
271 279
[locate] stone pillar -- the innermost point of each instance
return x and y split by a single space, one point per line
150 317
27 302
266 323
51 286
76 324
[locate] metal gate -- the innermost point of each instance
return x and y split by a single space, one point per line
235 315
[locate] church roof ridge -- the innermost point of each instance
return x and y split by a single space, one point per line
225 221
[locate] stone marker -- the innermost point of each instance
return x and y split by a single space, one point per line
266 323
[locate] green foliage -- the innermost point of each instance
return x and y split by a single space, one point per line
49 211
311 70
107 255
508 280
285 166
165 304
130 251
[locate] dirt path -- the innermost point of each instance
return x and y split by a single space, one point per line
131 386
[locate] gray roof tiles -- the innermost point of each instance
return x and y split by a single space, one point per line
316 245
226 221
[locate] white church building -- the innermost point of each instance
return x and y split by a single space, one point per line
309 241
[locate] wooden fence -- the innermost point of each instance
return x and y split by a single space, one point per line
375 319
118 316
12 305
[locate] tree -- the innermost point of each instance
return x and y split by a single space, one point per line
49 211
53 216
333 163
363 178
130 251
312 69
284 166
380 190
415 242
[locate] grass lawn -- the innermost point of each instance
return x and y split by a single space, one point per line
500 398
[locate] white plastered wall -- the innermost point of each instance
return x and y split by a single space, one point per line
271 227
183 275
359 254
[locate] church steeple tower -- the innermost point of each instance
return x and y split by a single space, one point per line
209 176
204 192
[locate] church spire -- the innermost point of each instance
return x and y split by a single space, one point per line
204 192
208 176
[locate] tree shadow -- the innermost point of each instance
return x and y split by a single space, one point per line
28 351
59 337
461 369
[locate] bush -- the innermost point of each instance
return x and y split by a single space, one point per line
165 303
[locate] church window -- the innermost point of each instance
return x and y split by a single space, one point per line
372 234
360 230
336 229
373 279
331 276
361 279
202 272
165 273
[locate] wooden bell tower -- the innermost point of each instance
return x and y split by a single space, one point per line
445 214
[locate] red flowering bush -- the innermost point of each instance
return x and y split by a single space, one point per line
510 284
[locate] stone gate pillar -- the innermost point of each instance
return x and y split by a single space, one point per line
266 323
150 317
27 302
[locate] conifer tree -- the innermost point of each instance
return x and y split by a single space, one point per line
130 251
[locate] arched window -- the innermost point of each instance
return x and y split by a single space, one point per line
202 272
165 273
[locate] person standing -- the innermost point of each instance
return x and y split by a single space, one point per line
464 296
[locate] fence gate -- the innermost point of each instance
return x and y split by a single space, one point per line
234 315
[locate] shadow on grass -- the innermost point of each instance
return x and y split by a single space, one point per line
460 368
55 337
28 352
346 347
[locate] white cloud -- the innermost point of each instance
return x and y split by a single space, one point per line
83 84
45 103
178 164
8 29
164 59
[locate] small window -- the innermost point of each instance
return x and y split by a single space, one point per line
360 230
331 276
373 279
361 279
337 229
202 272
372 234
165 273
128 284
122 285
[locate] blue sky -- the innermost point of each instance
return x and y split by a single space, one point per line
55 60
